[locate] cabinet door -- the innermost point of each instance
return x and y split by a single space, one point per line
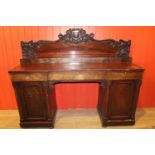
123 99
32 100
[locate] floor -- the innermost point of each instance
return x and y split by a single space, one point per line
81 119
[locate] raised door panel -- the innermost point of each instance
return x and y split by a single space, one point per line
121 99
32 100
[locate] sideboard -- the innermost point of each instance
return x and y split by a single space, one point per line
76 57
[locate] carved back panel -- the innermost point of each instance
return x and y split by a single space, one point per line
75 46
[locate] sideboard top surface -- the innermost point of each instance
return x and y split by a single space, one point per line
76 66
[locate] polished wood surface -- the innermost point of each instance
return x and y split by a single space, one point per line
76 57
78 66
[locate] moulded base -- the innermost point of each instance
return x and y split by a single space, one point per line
118 122
37 124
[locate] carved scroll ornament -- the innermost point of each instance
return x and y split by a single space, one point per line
27 49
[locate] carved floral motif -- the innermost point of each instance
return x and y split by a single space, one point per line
28 48
123 48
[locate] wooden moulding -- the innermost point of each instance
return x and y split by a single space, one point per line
94 76
75 75
29 76
25 62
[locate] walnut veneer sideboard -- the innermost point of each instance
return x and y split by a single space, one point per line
76 57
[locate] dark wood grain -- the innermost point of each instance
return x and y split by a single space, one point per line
76 57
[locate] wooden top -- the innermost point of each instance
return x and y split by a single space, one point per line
76 66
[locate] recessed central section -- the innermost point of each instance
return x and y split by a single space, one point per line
77 95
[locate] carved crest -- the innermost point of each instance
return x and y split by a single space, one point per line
76 36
